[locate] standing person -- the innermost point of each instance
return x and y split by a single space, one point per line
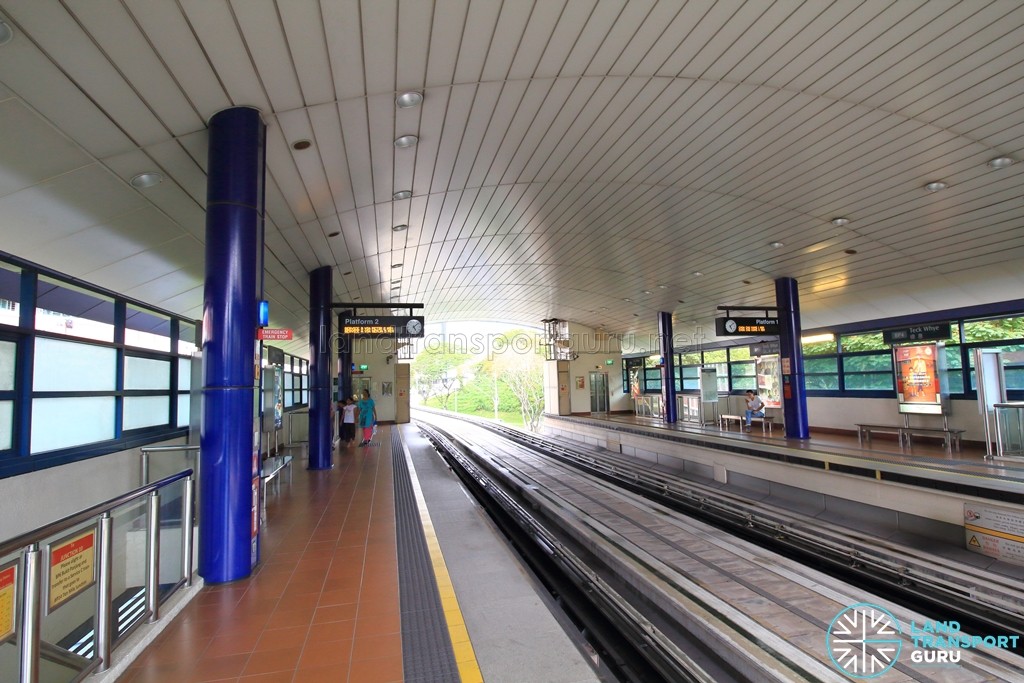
755 407
348 421
367 416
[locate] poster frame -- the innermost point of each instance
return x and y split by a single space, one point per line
49 608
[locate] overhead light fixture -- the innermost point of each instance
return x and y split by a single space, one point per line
662 286
147 179
776 245
406 141
6 32
936 186
840 221
402 194
400 228
334 234
396 265
815 338
301 144
1000 162
408 99
851 252
349 272
697 273
626 299
647 291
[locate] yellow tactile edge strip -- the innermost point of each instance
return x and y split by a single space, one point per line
465 656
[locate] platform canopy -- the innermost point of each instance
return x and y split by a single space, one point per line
587 160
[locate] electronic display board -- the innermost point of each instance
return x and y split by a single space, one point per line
382 326
735 327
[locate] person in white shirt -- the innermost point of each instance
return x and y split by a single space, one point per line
755 407
348 422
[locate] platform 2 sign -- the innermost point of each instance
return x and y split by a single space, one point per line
8 601
995 531
735 327
72 567
383 326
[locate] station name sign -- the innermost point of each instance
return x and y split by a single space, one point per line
735 327
898 335
383 326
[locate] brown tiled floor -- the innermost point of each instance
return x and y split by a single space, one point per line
323 603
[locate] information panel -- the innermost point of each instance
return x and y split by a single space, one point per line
735 327
995 531
383 326
72 567
8 593
919 378
937 332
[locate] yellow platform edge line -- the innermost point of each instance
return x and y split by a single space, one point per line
465 656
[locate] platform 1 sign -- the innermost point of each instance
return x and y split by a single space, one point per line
383 326
736 327
995 531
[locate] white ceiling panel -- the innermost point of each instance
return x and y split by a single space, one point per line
571 154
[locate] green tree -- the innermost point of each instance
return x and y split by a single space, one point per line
520 367
436 371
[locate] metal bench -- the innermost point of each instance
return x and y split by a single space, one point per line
864 433
949 436
766 422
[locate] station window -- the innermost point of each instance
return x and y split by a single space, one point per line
146 329
74 312
10 294
8 361
821 374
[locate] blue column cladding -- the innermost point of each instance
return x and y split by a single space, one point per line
234 219
668 382
320 357
794 393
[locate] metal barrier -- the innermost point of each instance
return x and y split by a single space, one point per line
90 553
146 450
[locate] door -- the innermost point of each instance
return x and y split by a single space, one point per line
402 393
598 392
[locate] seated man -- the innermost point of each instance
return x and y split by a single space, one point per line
755 407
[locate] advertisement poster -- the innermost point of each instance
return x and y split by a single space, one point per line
917 378
769 381
8 590
278 397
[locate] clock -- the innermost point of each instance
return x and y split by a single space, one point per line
730 325
413 327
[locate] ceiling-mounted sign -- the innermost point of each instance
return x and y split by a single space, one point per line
933 332
383 326
765 348
735 327
274 334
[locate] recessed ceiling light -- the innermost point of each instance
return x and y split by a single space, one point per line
850 251
355 298
840 221
396 265
697 273
406 141
626 299
334 234
408 99
349 272
402 194
1001 162
680 301
662 286
776 245
301 144
147 179
647 291
747 282
400 228
936 186
6 33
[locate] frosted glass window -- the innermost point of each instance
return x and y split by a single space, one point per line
288 381
187 338
65 422
184 406
184 374
67 366
146 411
147 330
8 354
305 397
6 425
146 373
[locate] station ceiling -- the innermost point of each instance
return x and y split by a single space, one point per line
590 160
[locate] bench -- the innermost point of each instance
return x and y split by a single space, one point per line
904 434
766 422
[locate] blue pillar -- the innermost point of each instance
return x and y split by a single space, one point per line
320 426
228 543
668 374
794 395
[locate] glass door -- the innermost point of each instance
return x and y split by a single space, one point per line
598 392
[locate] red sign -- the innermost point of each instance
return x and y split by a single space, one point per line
274 333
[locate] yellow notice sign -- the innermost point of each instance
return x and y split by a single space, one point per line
72 567
8 590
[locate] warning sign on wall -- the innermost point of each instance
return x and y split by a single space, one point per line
8 589
995 531
72 567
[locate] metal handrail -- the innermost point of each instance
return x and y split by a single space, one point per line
53 528
146 450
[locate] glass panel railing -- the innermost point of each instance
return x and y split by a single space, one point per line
71 591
